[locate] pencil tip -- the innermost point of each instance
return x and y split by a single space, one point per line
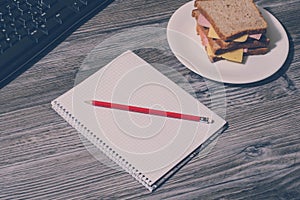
210 121
88 102
207 120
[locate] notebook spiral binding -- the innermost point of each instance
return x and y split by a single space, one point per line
109 152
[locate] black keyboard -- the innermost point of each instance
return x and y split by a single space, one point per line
29 29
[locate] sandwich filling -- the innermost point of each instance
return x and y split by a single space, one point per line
225 36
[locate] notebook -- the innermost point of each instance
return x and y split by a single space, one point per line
151 148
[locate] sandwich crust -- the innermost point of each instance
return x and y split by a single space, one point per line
232 19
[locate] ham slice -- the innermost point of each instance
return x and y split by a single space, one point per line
202 21
256 36
204 39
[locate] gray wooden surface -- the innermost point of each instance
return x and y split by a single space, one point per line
257 157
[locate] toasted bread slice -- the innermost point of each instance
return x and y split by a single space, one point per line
232 19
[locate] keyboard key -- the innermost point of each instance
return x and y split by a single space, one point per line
2 24
26 16
11 7
3 11
4 2
54 9
16 2
17 35
37 10
11 27
85 2
64 15
22 32
48 3
3 31
37 35
7 18
2 36
32 2
48 26
23 8
13 38
77 5
43 27
30 28
21 21
15 14
4 46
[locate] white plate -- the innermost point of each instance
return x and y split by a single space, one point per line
186 45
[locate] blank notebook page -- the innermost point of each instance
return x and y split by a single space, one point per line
147 146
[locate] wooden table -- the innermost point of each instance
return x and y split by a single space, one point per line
257 157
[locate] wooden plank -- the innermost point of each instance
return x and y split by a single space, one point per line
42 157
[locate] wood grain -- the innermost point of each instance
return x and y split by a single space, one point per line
257 157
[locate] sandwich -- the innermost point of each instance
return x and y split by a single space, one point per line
230 29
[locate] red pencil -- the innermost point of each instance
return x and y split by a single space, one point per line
150 111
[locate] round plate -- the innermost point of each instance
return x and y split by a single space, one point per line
186 45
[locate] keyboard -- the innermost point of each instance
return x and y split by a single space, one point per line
29 29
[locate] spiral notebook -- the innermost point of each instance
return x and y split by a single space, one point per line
151 148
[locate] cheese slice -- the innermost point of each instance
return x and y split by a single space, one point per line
209 51
235 55
241 39
212 34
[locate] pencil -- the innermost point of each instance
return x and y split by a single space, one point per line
150 111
